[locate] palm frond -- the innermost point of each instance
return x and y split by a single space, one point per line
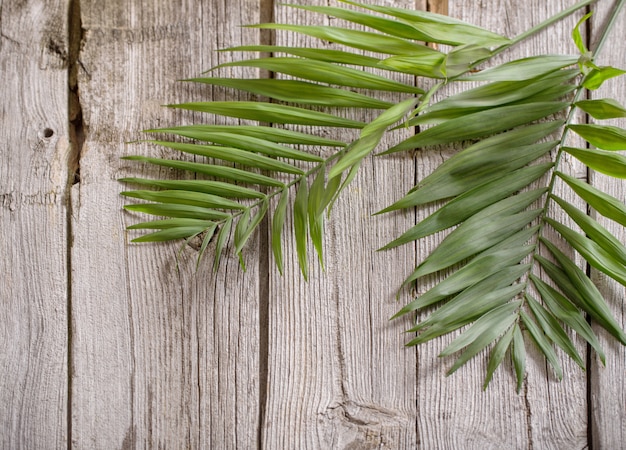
498 193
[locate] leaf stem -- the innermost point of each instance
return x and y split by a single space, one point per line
545 24
607 28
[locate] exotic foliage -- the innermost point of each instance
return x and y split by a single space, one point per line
504 271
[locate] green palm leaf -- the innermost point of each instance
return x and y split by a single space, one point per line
269 134
506 265
269 112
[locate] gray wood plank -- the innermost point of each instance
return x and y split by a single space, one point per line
454 411
163 357
34 150
338 375
608 392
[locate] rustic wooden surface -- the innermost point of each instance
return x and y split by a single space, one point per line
34 290
330 343
196 384
112 345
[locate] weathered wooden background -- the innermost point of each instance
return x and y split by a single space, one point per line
107 345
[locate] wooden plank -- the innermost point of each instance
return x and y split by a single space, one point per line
338 375
608 393
162 357
33 177
454 412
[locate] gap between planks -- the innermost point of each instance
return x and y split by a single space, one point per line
77 139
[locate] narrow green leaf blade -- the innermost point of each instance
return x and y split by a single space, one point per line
171 223
316 54
240 230
271 112
278 221
235 155
543 344
219 188
185 198
605 204
301 92
235 144
224 172
518 355
597 76
271 134
491 266
170 234
316 219
177 210
608 163
428 65
605 137
480 163
497 355
561 280
300 227
251 226
577 37
463 58
222 238
346 181
208 236
358 150
602 108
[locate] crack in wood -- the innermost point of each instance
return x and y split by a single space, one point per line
77 138
437 6
76 125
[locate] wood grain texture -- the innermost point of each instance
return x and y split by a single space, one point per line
607 389
158 355
162 357
338 375
34 148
